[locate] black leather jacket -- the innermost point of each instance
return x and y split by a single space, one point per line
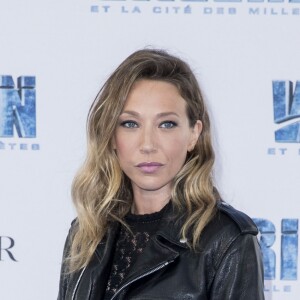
228 265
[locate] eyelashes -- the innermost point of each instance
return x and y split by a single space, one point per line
129 124
133 124
168 124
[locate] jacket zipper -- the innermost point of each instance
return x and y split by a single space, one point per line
77 283
139 277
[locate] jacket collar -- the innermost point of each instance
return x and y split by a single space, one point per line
170 228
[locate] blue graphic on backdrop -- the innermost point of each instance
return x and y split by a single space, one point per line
286 107
289 248
17 107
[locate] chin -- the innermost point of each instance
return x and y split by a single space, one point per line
150 186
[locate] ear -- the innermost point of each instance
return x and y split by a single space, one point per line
195 133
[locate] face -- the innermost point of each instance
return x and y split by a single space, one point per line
153 136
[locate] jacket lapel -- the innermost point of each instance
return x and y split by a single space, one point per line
105 254
163 249
92 284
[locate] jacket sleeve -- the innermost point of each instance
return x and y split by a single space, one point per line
64 276
239 274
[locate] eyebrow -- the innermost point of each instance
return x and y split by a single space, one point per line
160 115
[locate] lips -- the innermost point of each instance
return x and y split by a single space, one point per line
149 167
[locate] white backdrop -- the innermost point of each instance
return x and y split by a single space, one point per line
236 48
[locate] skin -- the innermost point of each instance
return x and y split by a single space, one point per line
151 140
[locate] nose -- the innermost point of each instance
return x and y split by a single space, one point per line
148 140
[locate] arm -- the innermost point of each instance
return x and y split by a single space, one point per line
240 272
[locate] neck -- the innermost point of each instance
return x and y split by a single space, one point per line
147 202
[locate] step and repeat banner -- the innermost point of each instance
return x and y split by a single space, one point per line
54 57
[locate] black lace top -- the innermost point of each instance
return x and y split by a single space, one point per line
130 245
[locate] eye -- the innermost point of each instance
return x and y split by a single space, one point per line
129 124
168 124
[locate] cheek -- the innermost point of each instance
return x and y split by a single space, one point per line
177 149
123 147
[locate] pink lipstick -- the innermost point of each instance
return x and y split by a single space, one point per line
149 167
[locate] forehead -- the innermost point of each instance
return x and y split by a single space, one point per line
151 94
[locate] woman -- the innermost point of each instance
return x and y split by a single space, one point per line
150 222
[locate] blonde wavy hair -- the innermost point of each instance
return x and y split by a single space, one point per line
102 192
